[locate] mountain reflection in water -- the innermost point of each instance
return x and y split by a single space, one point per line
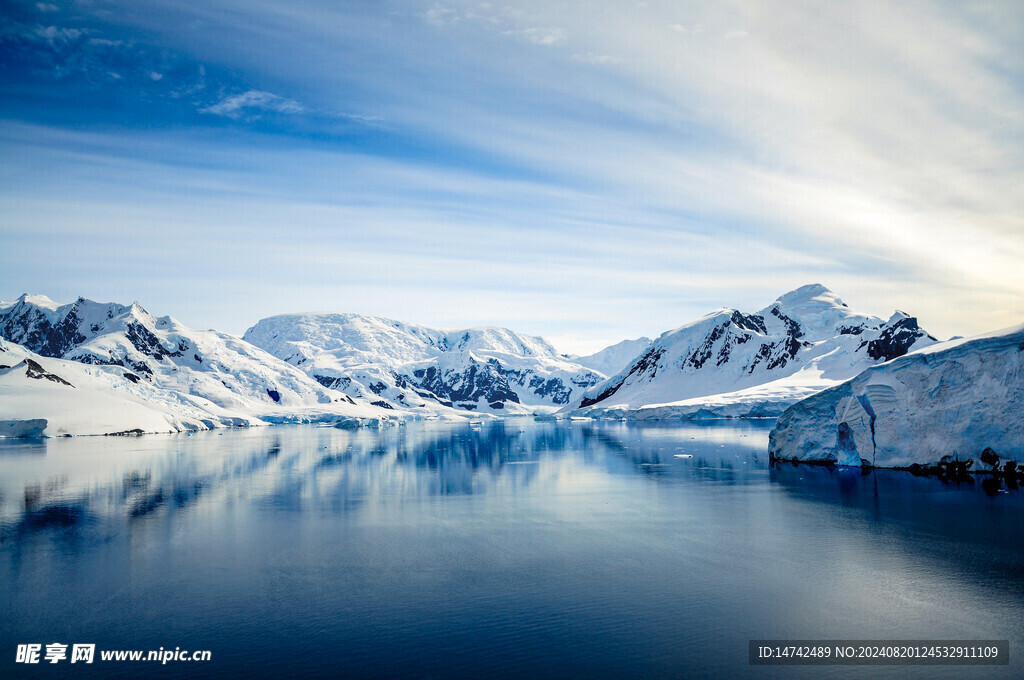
516 548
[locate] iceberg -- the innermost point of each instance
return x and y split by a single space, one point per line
946 403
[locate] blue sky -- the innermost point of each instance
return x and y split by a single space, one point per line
585 171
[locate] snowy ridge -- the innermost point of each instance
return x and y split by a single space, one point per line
951 399
806 341
195 379
42 396
614 358
493 370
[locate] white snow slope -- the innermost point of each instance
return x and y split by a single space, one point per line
951 399
191 379
614 358
731 364
41 396
396 364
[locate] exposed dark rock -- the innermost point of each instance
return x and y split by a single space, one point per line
748 322
332 382
141 367
137 432
609 391
647 364
698 356
792 327
147 343
895 340
34 370
480 381
29 326
990 457
953 469
65 335
551 388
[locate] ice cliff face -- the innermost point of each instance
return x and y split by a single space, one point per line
397 364
952 399
805 341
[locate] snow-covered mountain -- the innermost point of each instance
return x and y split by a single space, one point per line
396 364
955 399
729 363
195 376
305 367
614 358
42 396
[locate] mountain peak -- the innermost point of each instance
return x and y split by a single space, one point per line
812 293
38 301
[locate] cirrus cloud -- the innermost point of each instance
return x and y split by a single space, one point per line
236 105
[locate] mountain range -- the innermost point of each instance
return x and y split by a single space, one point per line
183 378
359 368
399 365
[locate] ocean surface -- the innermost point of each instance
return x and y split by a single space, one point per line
515 549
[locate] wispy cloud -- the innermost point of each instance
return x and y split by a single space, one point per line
439 16
874 145
236 105
540 36
55 35
510 21
695 29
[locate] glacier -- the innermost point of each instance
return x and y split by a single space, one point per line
947 402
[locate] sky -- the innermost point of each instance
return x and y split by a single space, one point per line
586 171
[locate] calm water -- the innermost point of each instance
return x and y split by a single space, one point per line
512 550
